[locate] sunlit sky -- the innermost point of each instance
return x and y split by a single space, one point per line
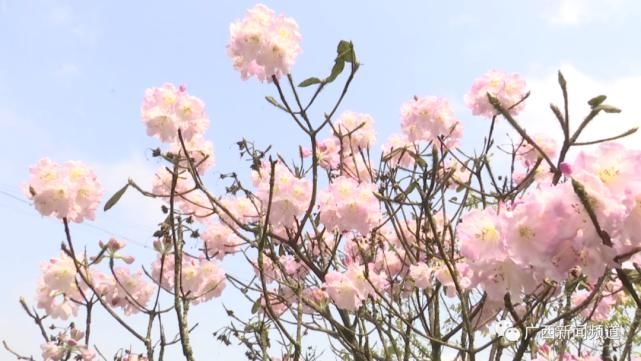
72 75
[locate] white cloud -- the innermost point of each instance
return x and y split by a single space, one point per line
578 12
622 92
80 22
137 211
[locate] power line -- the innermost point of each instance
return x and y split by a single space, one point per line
89 224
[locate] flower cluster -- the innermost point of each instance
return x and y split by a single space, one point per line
201 279
126 290
289 194
264 44
357 130
548 232
168 108
67 345
69 190
165 111
347 205
349 289
430 119
58 292
508 89
399 151
220 240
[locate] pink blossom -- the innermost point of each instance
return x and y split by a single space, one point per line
357 167
264 44
528 154
399 151
343 292
162 185
70 190
315 296
598 310
481 236
57 287
357 129
289 194
129 291
430 119
271 272
241 208
455 173
167 109
293 266
220 240
52 351
421 273
201 152
444 276
348 205
509 90
201 279
327 152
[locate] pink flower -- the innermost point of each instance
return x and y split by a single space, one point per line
200 150
52 352
201 279
271 272
348 205
430 119
289 195
481 236
264 44
528 154
70 190
399 151
220 240
327 152
421 273
127 290
358 130
598 310
445 277
57 287
315 296
293 266
343 292
166 109
509 89
240 208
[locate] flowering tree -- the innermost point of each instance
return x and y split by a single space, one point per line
417 252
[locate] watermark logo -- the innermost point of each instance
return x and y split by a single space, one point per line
505 329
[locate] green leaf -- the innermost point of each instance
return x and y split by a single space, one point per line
274 102
608 108
596 101
116 197
345 51
337 69
309 81
256 306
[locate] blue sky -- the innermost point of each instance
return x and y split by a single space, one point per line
72 75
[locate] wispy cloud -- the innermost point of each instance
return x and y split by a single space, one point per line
80 22
580 12
622 92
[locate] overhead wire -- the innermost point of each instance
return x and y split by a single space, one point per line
89 224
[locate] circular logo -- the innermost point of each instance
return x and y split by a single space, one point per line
512 334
